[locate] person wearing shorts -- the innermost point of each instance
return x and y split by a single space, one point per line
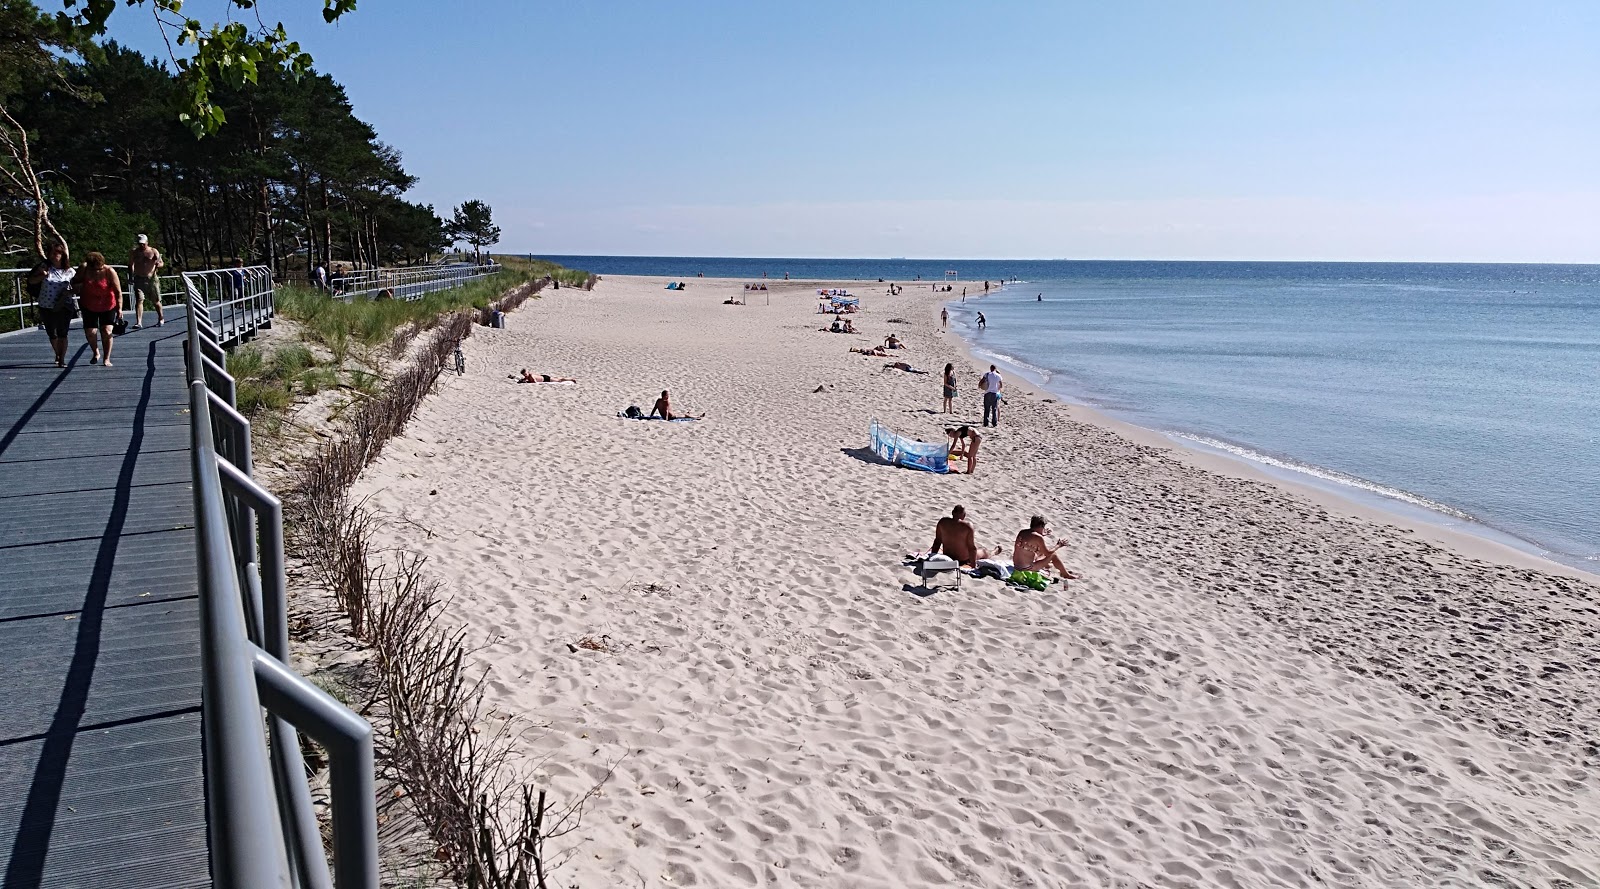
143 263
100 296
50 285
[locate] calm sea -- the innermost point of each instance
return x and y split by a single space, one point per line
1462 394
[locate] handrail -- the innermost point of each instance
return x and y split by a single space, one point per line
236 301
263 830
409 282
12 287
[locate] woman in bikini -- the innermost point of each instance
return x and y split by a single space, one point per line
949 388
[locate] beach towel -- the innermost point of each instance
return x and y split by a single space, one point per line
1033 580
1000 569
627 416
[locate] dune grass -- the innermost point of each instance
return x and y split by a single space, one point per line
340 326
270 378
538 268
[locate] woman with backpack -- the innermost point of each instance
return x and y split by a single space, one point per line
99 296
50 287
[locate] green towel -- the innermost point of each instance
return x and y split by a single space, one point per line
1033 580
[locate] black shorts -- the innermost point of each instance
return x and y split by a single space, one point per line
99 319
56 322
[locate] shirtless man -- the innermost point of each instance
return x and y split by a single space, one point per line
542 378
663 409
954 536
143 261
1032 552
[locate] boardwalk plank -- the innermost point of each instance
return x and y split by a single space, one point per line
101 768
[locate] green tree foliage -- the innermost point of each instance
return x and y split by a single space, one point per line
294 179
473 222
228 53
103 226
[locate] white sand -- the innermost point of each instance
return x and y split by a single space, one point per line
1247 689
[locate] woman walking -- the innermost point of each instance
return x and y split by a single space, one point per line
949 388
50 285
100 294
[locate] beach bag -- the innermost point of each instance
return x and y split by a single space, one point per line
633 412
1033 580
119 326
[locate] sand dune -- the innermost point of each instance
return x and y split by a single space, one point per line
1247 689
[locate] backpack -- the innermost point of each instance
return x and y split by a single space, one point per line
633 412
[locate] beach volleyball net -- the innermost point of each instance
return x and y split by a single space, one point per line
908 452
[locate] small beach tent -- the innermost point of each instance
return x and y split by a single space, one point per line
908 452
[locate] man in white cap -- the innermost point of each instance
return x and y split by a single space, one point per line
143 261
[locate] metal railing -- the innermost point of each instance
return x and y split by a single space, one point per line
263 830
18 311
412 282
237 301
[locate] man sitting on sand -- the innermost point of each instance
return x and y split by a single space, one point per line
663 409
955 538
964 441
893 342
542 378
1032 551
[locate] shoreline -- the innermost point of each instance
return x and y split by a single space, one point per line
712 618
1475 538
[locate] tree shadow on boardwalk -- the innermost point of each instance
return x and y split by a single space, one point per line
25 867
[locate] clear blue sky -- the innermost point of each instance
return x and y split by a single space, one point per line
1246 130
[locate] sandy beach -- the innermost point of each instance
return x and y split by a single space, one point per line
1251 686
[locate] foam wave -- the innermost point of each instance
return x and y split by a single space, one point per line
1327 475
1043 373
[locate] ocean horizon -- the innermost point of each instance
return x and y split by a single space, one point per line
1453 393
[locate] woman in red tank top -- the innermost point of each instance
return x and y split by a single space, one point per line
100 296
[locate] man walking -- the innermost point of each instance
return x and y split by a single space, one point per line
991 384
143 261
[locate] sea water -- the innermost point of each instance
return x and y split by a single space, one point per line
1464 394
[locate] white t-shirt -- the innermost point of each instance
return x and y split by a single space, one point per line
990 382
55 288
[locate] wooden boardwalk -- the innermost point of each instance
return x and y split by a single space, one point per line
101 780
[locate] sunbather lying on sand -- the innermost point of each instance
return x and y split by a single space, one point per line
955 537
901 365
876 351
539 378
1033 553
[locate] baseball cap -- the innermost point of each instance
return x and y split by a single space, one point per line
144 239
